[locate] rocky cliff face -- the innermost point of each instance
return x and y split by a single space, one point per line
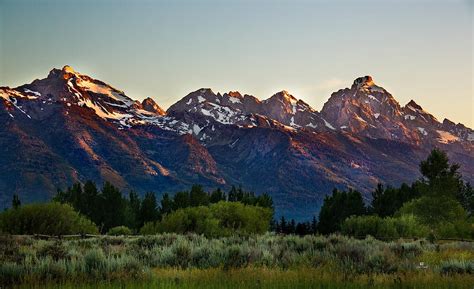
70 127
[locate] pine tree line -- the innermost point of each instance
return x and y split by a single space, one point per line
439 201
108 208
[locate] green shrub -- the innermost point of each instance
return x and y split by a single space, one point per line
351 251
55 250
242 219
428 211
406 250
380 263
10 250
50 270
11 273
457 267
389 227
117 258
217 220
50 219
95 262
194 219
149 228
201 257
120 230
182 254
455 229
236 257
111 241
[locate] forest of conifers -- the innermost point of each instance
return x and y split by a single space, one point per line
438 205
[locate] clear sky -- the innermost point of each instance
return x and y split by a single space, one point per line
421 50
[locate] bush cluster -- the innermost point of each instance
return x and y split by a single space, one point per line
389 227
24 259
216 220
50 219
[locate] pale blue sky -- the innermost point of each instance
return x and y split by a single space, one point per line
420 50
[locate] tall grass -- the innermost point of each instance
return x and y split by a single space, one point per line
261 277
24 260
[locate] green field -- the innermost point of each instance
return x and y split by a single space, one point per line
261 261
271 278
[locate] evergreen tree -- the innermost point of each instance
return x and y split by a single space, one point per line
377 203
181 200
437 167
217 196
282 227
112 206
265 201
148 210
337 207
442 200
291 227
314 225
16 203
75 197
166 205
240 194
303 228
133 211
89 201
440 179
273 225
198 197
233 194
386 201
466 198
61 197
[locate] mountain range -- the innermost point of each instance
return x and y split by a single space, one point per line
71 127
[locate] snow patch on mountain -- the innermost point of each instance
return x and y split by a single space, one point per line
37 94
364 109
103 112
328 124
103 89
234 99
422 131
196 129
446 137
222 114
373 98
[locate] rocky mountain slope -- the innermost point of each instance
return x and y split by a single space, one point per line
70 127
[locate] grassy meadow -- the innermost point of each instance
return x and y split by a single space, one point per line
260 261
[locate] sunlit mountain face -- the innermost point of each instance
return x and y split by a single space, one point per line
71 127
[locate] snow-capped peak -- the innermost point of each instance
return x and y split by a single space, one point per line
364 109
65 89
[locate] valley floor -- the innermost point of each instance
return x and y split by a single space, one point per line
261 261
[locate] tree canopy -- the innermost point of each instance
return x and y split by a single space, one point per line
337 207
220 219
49 218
